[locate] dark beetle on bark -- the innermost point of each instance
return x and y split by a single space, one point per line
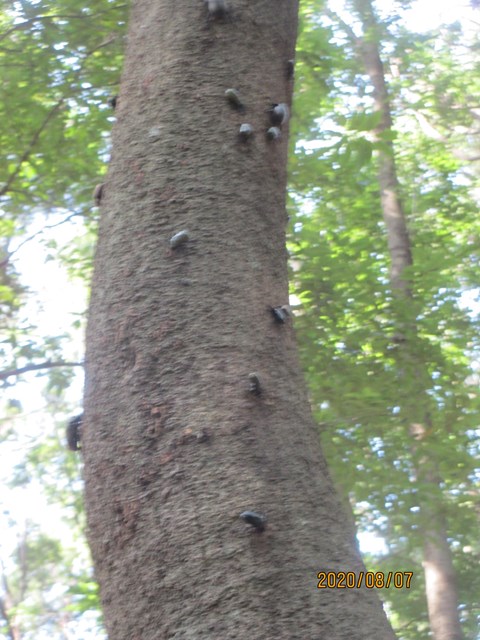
74 429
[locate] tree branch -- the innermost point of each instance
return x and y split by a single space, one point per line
25 155
31 145
6 605
59 16
430 131
38 233
37 367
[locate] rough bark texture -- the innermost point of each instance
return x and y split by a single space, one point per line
441 589
175 444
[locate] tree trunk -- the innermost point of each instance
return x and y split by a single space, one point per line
441 590
178 439
440 583
7 608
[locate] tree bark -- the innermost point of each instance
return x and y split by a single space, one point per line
441 590
177 442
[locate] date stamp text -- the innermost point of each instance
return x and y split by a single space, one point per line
368 579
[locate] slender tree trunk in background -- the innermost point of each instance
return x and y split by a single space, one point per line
441 589
393 215
7 607
175 444
440 582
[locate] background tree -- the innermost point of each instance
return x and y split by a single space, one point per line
351 306
441 589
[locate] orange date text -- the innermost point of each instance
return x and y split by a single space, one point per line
368 579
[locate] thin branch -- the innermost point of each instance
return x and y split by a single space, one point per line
31 145
6 605
346 27
22 562
59 16
430 131
25 155
38 367
39 233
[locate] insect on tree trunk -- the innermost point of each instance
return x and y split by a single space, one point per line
195 408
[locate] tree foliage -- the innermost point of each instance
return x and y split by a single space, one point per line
340 275
59 62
